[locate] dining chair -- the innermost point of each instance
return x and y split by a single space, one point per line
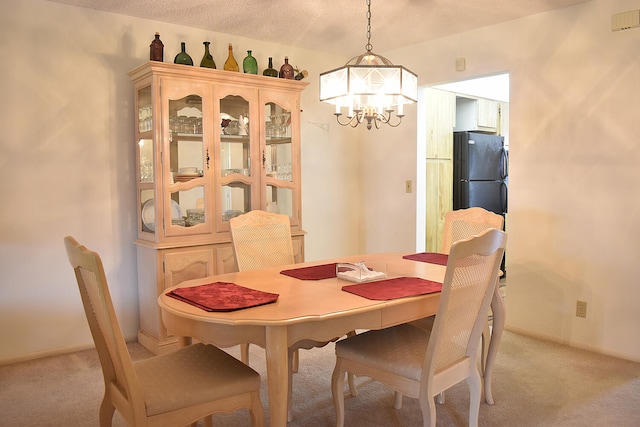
423 363
461 224
260 240
173 389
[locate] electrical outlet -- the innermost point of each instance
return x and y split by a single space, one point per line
408 186
581 309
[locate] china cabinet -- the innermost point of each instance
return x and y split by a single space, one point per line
210 145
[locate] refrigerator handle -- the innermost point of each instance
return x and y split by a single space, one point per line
504 192
504 161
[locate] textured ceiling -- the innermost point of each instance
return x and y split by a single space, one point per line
337 26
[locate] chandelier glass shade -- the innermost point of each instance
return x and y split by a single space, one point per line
369 88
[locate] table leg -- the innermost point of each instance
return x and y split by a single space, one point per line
497 307
277 374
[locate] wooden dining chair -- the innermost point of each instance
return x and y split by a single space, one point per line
461 224
173 389
419 363
260 240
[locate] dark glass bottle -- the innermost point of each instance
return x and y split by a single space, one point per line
231 64
270 72
249 64
286 71
207 59
183 57
156 49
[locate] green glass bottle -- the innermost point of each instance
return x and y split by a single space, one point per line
183 57
231 64
207 59
270 72
249 64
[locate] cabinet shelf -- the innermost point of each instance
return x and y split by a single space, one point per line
234 138
272 140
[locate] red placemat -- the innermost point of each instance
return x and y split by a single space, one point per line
399 287
429 257
222 296
316 272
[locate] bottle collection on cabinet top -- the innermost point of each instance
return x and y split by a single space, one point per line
249 63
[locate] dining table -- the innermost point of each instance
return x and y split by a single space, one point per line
305 301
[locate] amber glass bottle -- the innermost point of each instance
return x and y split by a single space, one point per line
156 49
231 64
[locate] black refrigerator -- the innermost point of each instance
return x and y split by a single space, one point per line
480 172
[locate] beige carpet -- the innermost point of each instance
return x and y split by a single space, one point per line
536 383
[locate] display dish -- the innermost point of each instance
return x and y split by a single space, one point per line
149 213
184 177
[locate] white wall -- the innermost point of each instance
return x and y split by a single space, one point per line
574 213
66 164
67 160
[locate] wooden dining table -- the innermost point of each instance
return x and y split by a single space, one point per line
317 310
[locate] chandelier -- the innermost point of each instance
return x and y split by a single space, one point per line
369 87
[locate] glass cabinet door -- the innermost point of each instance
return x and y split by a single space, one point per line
145 159
238 145
187 208
278 161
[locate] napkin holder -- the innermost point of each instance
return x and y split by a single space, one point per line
359 272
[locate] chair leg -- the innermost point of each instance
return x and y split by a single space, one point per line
244 353
350 377
498 309
106 412
295 364
486 339
428 407
257 410
337 389
475 391
397 402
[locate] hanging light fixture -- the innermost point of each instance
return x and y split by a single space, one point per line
369 87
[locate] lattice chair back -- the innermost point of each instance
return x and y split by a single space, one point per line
174 388
467 290
117 367
464 223
261 239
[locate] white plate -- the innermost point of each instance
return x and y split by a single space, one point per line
149 213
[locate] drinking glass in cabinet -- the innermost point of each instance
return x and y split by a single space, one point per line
145 147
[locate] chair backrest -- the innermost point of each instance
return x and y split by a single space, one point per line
472 270
464 223
261 239
117 367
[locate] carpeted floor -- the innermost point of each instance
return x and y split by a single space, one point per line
536 383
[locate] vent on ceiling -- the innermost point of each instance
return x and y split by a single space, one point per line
625 20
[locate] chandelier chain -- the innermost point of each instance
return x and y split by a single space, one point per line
368 46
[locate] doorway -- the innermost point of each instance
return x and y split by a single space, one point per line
486 90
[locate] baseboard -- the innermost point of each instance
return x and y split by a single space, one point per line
569 343
46 353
